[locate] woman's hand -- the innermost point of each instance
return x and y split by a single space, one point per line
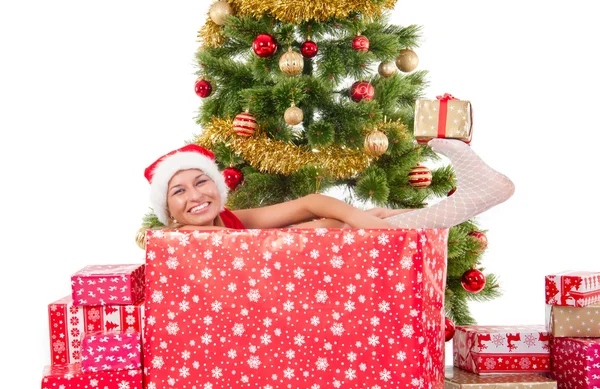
383 213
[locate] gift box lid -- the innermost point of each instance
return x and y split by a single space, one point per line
107 270
573 288
498 339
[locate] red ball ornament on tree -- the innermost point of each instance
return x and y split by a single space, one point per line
360 43
480 236
473 281
362 90
264 45
203 88
309 49
451 191
233 177
449 329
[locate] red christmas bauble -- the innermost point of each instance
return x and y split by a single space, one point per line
203 88
362 90
309 49
244 124
264 45
449 329
473 281
451 191
360 43
233 177
480 236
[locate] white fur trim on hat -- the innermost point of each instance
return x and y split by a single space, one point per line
167 168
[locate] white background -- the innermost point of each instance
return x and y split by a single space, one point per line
92 92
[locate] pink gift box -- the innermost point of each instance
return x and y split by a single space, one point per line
69 322
573 288
70 376
295 308
111 350
502 349
108 284
576 363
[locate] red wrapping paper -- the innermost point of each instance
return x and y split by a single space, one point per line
573 288
295 308
108 284
71 377
111 350
502 349
69 322
576 363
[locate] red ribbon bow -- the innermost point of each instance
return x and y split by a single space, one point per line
446 97
443 113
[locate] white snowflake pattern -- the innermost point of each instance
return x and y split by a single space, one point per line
207 320
384 306
348 238
299 340
490 363
336 262
185 289
525 363
238 263
290 286
151 255
351 356
216 306
321 231
184 306
151 320
170 250
385 375
288 373
288 306
208 254
206 339
208 385
157 296
206 273
530 340
253 362
184 371
288 239
406 262
157 362
232 354
374 253
290 354
217 372
265 339
267 255
498 339
383 239
407 330
231 287
253 295
372 272
349 306
322 364
216 240
238 329
123 385
401 355
373 340
185 355
267 322
337 329
265 272
374 321
315 320
314 254
351 288
172 263
321 296
172 328
335 248
350 374
299 273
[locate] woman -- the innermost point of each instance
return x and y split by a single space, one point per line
187 191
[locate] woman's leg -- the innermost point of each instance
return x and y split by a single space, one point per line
478 189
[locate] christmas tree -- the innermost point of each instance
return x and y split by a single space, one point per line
313 96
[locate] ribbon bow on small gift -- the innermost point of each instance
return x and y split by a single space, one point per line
446 97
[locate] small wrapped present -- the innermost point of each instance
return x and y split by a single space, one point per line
295 308
70 376
576 362
502 349
574 322
573 288
108 284
111 350
69 322
459 379
446 117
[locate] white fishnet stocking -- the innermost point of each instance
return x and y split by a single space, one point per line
478 189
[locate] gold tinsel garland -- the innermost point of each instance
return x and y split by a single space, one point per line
278 157
292 11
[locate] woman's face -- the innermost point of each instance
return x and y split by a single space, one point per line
193 198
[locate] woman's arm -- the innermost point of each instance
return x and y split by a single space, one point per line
305 209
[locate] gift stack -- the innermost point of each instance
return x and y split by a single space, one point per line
295 308
500 357
573 319
95 333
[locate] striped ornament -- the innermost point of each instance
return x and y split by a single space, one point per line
244 124
419 177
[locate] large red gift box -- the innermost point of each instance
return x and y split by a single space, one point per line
576 363
71 377
502 349
68 323
111 350
573 288
108 284
295 308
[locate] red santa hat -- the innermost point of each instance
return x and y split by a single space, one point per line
163 169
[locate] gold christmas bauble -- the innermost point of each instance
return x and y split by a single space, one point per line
387 69
291 63
293 115
140 237
219 12
376 143
407 60
419 177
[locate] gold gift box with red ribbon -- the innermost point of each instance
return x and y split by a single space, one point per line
446 117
